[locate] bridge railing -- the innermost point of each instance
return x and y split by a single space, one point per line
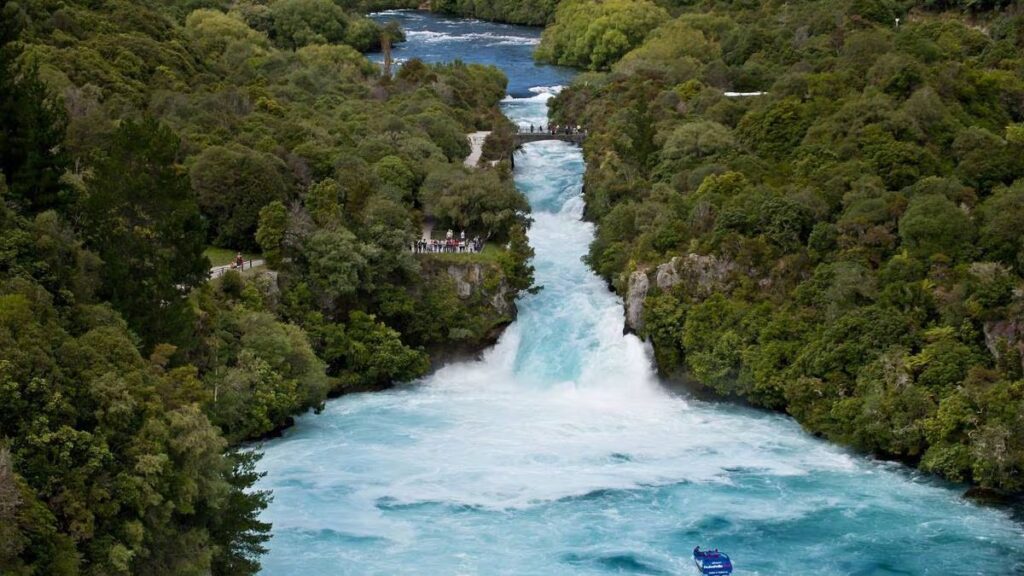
446 247
556 132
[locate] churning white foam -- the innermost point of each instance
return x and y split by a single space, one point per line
554 90
485 38
543 94
403 12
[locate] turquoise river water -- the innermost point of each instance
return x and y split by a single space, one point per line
559 452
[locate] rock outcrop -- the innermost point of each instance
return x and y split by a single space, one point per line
1002 336
635 296
470 279
699 275
666 275
479 304
465 276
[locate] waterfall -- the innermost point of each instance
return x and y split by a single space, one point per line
560 453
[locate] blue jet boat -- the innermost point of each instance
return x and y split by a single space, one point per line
712 562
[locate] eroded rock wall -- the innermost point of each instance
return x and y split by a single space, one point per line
698 275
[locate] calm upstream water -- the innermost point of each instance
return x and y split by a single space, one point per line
560 453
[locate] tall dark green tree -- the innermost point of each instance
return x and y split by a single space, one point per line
141 217
232 185
236 529
32 155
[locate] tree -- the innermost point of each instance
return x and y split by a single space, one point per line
367 353
1015 133
675 48
271 232
850 193
301 22
516 261
125 377
392 171
933 225
363 34
212 32
141 218
32 155
976 433
232 185
324 201
986 160
595 35
112 475
774 129
714 336
896 74
1000 227
335 266
473 201
235 525
272 374
694 142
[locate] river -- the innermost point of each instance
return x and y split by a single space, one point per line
560 453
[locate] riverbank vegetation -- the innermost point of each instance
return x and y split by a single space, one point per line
846 246
529 12
594 35
137 134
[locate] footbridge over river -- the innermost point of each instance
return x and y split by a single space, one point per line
573 137
520 138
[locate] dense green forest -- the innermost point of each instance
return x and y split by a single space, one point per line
530 12
846 246
594 35
137 134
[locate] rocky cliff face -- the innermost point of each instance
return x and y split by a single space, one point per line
636 293
477 301
699 275
471 280
1005 336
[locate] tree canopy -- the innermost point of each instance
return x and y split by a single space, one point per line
844 244
594 35
139 136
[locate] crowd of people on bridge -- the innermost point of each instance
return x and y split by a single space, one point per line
450 244
554 129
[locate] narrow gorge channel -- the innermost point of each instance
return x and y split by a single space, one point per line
559 452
